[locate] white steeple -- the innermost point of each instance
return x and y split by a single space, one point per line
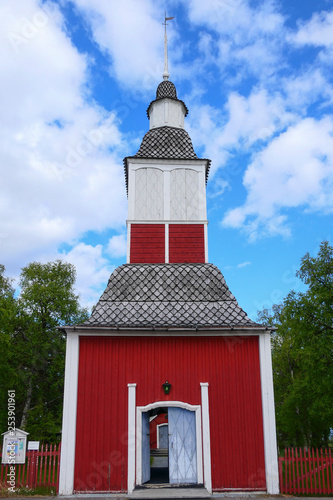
166 71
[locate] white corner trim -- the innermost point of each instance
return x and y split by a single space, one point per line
206 436
131 437
206 242
128 241
267 392
67 459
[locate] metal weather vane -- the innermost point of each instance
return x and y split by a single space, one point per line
166 71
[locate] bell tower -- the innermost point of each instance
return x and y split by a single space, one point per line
166 185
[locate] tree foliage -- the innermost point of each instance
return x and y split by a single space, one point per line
35 347
302 349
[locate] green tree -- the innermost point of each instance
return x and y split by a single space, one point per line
302 349
8 321
37 346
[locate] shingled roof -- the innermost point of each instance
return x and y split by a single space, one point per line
166 143
168 295
167 89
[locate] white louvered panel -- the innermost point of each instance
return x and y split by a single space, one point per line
176 117
177 195
149 194
184 195
192 195
157 115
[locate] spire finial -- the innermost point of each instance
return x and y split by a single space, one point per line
166 71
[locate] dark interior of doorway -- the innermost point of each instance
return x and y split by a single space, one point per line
159 456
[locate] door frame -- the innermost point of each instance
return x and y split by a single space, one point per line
163 404
158 426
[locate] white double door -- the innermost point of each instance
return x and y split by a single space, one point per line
182 446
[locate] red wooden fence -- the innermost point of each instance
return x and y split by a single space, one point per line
306 471
41 468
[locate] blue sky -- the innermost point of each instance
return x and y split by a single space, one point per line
76 80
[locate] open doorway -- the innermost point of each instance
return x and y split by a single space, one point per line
159 446
169 446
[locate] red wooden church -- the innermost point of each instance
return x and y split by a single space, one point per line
167 340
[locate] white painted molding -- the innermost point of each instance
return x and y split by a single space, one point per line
168 221
68 438
206 436
168 404
206 242
166 164
158 426
166 255
267 392
131 437
128 258
166 332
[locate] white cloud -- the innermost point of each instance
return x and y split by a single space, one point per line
131 33
243 123
60 153
250 37
318 31
304 89
295 170
243 264
117 246
93 271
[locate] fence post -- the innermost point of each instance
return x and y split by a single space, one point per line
32 479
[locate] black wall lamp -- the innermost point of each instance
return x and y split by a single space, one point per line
166 387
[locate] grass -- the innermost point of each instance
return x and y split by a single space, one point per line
40 491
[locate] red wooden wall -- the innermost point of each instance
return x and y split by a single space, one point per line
186 243
230 365
147 243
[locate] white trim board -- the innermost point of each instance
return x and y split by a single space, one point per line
158 434
131 437
102 331
268 410
67 459
206 436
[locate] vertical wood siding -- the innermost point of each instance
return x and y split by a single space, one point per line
186 243
230 365
147 243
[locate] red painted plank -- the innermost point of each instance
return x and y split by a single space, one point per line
186 243
331 470
232 368
147 243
